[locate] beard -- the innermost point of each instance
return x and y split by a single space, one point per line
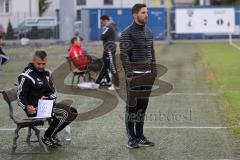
142 21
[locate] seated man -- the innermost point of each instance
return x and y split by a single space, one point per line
76 54
35 83
82 61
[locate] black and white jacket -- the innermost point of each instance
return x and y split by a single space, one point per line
136 46
32 85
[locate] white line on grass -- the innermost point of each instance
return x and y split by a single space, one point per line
151 127
192 94
12 129
187 127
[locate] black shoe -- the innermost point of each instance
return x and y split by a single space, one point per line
56 141
48 142
132 143
142 141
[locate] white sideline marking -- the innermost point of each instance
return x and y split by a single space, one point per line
12 129
192 94
151 127
187 127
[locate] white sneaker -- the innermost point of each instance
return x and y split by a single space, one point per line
95 86
87 85
113 87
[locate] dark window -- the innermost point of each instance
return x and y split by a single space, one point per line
4 6
108 2
78 16
81 2
1 6
7 6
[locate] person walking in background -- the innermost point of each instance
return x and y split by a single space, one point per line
108 37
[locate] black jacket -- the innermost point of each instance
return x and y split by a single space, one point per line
32 85
136 47
109 33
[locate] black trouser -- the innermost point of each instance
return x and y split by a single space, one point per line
105 69
3 57
63 116
137 102
109 64
134 118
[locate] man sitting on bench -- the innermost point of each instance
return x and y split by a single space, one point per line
76 54
35 83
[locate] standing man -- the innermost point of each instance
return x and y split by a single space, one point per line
138 59
36 83
108 37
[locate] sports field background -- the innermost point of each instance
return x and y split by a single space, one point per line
205 99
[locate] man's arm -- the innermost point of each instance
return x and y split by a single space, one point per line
23 91
125 51
106 32
53 95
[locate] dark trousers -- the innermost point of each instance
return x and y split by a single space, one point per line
109 64
138 92
63 116
3 57
104 73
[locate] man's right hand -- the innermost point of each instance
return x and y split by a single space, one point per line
31 109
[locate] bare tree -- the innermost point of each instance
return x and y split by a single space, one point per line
43 6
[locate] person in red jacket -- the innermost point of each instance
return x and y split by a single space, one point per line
76 54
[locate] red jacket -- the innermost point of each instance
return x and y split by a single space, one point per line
76 54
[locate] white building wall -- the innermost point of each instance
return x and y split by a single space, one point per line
51 11
116 4
19 11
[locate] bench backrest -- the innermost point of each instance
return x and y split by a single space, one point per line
9 96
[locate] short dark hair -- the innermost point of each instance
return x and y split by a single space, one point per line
75 38
104 17
137 7
41 54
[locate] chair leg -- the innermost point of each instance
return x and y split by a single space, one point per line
78 79
73 80
37 132
28 140
16 135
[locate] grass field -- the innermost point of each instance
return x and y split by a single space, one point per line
223 76
184 124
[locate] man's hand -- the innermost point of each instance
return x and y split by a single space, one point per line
31 109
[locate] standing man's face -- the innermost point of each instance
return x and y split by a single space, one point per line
39 63
142 16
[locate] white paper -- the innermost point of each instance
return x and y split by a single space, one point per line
44 108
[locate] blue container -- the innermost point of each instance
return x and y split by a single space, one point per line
123 18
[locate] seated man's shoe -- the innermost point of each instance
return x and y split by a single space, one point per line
113 87
48 142
132 143
142 141
56 141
